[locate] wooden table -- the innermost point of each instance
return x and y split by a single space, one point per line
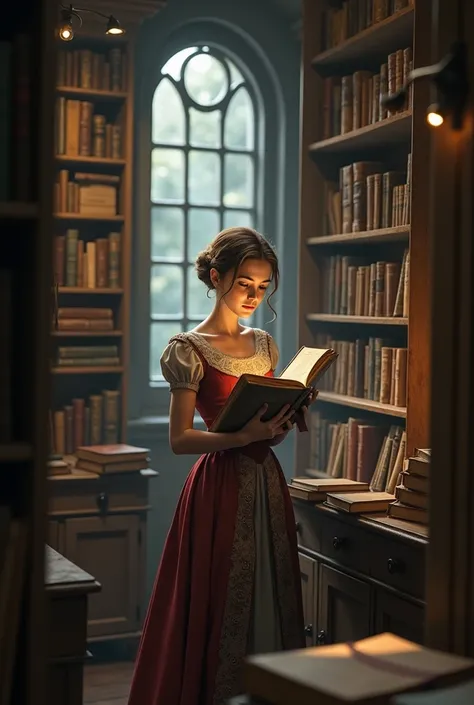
67 590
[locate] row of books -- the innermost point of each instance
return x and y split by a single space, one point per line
84 422
350 287
354 101
94 264
83 68
81 132
87 355
93 195
353 16
75 318
367 198
412 491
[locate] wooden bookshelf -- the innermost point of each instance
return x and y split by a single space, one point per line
343 123
26 135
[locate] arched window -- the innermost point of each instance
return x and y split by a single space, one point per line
203 178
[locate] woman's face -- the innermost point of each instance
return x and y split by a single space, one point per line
247 291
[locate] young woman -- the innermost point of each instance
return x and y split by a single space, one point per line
228 584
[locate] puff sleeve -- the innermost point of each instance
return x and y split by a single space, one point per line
274 352
181 366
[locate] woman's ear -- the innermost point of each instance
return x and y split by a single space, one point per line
214 276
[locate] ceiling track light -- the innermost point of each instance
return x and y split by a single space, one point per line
71 13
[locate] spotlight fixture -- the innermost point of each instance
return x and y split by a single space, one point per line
450 80
66 30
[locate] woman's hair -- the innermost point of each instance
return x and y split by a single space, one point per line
229 249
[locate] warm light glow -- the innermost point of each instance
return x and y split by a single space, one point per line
66 32
434 119
115 30
113 26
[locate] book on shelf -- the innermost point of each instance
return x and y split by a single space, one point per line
87 356
93 195
357 286
92 70
354 101
368 369
79 319
82 422
370 670
412 490
360 502
316 489
367 198
111 458
90 264
80 131
292 387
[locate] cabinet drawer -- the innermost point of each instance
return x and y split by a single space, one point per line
308 526
99 494
399 565
347 544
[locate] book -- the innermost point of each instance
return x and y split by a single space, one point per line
360 502
371 670
460 694
292 387
106 454
316 489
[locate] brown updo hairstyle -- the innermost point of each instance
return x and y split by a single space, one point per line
229 249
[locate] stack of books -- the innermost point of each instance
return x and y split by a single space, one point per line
119 457
339 493
412 492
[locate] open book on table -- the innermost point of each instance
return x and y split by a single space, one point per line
293 386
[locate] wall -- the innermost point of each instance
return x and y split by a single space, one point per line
263 38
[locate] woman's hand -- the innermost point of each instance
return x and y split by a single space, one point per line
281 436
302 415
258 430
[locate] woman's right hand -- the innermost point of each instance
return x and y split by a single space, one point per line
258 430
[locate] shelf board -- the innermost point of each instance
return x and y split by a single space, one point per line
392 130
84 290
383 37
101 161
363 404
15 452
363 320
18 210
86 333
92 93
81 216
87 370
398 234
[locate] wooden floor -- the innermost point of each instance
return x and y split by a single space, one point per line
107 683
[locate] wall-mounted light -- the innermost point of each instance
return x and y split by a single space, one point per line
449 77
69 14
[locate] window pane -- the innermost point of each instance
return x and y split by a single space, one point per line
235 76
167 175
204 128
166 290
160 334
238 180
204 178
205 79
203 225
239 132
167 116
174 65
242 219
198 303
167 233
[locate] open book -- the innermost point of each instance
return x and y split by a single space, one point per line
293 387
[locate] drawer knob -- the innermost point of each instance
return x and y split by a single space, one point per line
102 502
321 638
394 566
297 527
308 630
337 543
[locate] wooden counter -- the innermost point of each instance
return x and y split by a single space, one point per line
67 591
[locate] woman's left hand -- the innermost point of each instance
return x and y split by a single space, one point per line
302 415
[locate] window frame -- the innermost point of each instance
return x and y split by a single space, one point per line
186 319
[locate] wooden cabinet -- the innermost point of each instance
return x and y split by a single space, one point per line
359 575
99 523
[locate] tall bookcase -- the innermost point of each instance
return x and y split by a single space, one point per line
26 103
362 219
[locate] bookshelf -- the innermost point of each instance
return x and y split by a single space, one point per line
364 271
26 166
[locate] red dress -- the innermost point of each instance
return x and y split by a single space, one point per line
228 583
